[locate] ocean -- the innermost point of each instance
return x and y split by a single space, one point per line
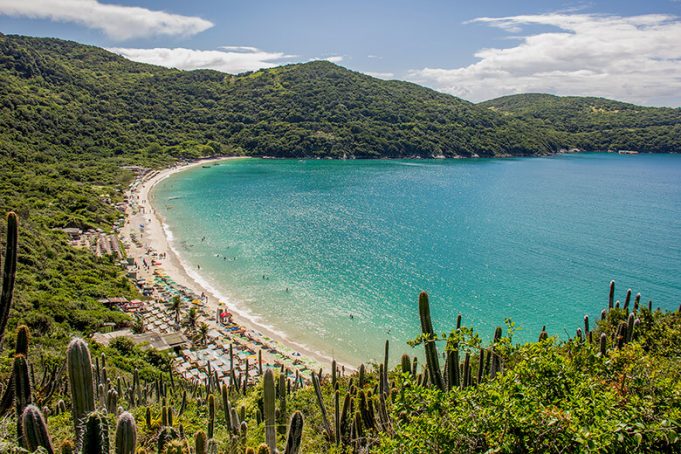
333 254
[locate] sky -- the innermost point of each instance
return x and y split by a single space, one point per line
477 50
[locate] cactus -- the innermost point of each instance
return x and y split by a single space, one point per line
586 325
611 298
384 375
126 434
212 446
364 409
431 349
22 341
627 299
79 366
336 413
68 447
481 365
333 373
147 417
8 271
165 436
452 369
320 401
226 407
95 434
211 415
200 441
35 430
268 410
406 364
282 401
295 433
630 327
22 392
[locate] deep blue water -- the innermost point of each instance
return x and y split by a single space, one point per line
537 240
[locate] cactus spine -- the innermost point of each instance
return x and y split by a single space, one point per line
295 433
431 349
79 364
126 434
35 430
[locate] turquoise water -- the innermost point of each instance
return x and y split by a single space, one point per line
536 240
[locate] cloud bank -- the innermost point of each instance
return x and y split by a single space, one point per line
229 59
116 21
636 59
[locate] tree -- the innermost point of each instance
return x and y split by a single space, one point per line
203 333
192 317
176 305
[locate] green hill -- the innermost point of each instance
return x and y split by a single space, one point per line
67 95
596 123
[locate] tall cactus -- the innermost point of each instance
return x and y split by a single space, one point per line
200 441
322 407
22 392
211 416
23 340
611 297
95 434
8 271
295 433
282 401
268 408
431 349
227 408
126 434
35 430
79 364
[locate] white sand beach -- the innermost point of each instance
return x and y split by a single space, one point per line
276 349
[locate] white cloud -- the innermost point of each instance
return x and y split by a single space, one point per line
116 21
380 75
636 59
334 58
238 59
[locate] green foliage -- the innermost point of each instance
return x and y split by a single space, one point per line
595 123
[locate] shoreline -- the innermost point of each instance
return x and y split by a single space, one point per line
156 237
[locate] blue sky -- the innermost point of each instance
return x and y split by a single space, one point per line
476 50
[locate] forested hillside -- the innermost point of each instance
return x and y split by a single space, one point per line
596 123
70 96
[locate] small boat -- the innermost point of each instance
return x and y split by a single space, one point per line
206 167
627 152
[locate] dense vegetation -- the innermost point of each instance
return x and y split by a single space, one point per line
596 123
67 95
71 116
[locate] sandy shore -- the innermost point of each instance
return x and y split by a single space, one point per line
154 237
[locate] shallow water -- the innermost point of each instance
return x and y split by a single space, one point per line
302 245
